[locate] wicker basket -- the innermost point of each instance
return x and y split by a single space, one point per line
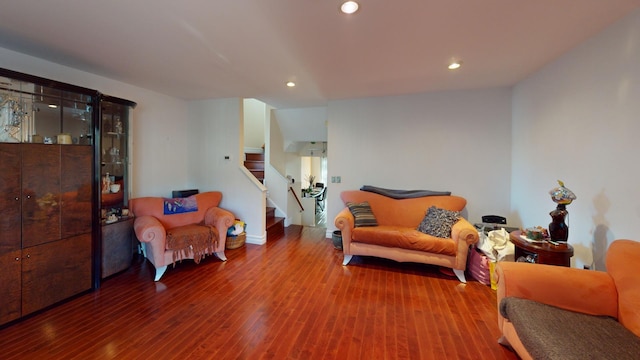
234 242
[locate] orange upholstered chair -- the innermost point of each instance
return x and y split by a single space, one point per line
614 294
152 224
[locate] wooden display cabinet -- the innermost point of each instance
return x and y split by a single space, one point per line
117 229
45 248
48 192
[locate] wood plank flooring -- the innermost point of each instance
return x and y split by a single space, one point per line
288 299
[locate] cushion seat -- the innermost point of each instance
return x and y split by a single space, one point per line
404 238
200 240
552 333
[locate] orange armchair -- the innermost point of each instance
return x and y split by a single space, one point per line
151 226
614 293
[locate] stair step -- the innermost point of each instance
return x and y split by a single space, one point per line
259 174
275 228
271 213
254 157
254 165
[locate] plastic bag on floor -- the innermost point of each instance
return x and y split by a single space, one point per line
496 245
478 266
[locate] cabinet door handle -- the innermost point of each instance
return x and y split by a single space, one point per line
28 256
17 198
17 258
28 196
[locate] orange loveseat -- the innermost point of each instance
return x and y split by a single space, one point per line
396 237
151 226
614 294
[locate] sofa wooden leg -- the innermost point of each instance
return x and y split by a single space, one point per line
460 275
346 260
221 255
159 272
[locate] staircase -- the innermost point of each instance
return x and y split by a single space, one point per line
275 225
255 164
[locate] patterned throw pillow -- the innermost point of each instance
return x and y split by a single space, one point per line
180 205
363 214
438 222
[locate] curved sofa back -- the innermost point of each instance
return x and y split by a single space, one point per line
154 206
402 212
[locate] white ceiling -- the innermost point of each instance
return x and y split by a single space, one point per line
196 49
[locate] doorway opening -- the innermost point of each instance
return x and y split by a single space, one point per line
313 171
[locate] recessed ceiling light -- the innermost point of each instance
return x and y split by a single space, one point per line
349 7
454 65
291 84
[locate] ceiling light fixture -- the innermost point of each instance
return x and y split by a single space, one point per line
349 7
454 65
53 106
291 84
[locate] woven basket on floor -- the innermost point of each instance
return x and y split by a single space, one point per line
234 242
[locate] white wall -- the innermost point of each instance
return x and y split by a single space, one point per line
456 141
254 123
275 154
577 120
303 124
215 131
158 126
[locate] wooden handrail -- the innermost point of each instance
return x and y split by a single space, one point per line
296 197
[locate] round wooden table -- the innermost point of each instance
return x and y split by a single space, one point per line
541 252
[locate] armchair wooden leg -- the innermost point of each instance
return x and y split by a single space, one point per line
460 275
159 272
221 255
346 260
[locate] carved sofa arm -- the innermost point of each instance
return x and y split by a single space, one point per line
150 231
345 222
462 230
222 220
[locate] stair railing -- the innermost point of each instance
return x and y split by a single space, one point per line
296 197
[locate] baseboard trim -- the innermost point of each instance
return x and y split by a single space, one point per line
256 240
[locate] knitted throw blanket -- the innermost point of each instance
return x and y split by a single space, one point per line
201 240
548 332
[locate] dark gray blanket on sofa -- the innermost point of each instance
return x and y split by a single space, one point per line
403 194
548 332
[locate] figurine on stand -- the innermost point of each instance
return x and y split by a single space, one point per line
106 184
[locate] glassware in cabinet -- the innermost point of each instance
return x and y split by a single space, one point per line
115 117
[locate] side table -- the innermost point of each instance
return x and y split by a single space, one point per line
541 252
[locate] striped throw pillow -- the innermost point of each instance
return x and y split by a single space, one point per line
363 214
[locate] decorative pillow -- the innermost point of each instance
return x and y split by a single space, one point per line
438 222
363 214
180 205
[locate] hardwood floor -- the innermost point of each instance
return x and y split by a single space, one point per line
289 299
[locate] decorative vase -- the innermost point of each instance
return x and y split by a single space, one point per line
558 229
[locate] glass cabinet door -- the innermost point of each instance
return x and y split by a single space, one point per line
34 113
115 115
